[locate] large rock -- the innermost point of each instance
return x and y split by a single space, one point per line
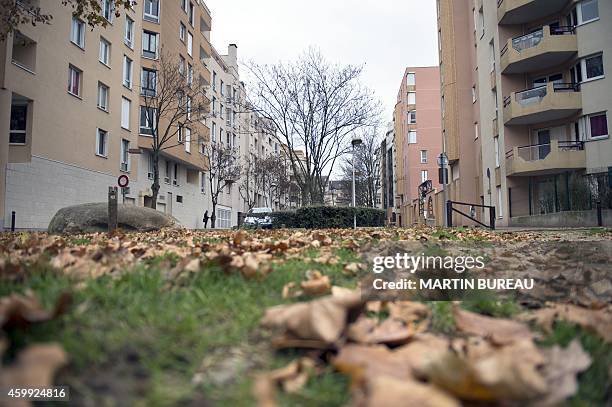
93 217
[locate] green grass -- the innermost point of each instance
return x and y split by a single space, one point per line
142 342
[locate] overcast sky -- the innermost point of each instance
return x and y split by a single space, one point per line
385 36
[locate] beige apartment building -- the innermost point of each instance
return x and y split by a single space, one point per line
418 140
541 146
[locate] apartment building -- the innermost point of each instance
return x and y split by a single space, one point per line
418 139
543 103
68 112
387 168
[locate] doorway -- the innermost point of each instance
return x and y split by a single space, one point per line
169 204
543 143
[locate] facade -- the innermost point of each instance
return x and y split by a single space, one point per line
542 105
418 139
388 170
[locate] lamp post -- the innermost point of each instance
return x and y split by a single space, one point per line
443 163
355 142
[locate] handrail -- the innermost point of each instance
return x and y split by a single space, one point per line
561 145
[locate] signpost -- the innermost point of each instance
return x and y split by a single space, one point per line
112 209
123 181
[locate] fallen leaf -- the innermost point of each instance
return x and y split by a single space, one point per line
361 362
408 311
390 331
316 284
499 331
35 367
387 391
290 378
18 310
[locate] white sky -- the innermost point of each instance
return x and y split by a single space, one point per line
385 36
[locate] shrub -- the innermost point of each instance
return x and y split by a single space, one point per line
323 217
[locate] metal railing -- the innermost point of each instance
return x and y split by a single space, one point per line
451 207
535 152
534 38
536 94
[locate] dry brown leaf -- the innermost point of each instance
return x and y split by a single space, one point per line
598 321
499 331
35 367
18 310
387 391
322 319
316 284
560 372
507 373
408 311
352 268
290 378
362 362
423 349
390 331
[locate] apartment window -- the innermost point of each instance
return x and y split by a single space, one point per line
500 206
127 72
481 22
496 147
202 182
18 126
474 96
184 5
147 120
101 143
412 117
125 155
214 84
24 52
126 107
149 44
424 176
411 79
492 56
179 198
168 172
175 175
182 32
593 67
107 10
191 13
412 98
181 65
75 77
189 74
188 140
105 48
213 131
225 218
585 12
151 10
443 105
128 36
476 131
412 137
150 166
423 156
598 125
190 44
103 96
148 82
77 32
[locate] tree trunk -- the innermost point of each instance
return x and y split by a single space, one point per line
155 186
213 217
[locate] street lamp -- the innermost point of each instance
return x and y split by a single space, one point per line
443 163
355 142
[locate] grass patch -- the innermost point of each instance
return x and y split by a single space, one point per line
442 319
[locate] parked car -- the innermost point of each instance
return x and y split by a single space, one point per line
256 218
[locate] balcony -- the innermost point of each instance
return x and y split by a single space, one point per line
524 11
545 48
543 159
554 101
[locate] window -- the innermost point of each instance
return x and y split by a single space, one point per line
19 117
481 22
500 206
190 13
202 182
179 198
188 107
75 76
423 156
181 65
411 98
492 56
412 117
107 10
476 131
128 37
24 52
496 147
410 79
189 43
148 82
127 72
222 88
168 172
126 107
101 143
147 120
105 47
585 12
125 155
474 97
225 218
424 176
151 10
175 175
593 67
188 139
214 84
213 132
182 32
412 137
189 74
598 125
149 44
150 166
102 96
77 32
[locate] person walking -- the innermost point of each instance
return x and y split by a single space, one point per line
205 219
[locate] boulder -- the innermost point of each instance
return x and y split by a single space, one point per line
93 217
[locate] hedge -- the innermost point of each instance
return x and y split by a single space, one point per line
324 217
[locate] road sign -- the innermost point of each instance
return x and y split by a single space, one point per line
123 181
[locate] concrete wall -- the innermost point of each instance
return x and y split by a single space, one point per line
563 219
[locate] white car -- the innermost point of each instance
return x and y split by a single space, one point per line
260 220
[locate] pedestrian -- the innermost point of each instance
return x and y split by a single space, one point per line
205 219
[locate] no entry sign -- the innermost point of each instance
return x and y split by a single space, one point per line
123 181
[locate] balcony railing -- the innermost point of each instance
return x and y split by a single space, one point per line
535 152
534 39
535 95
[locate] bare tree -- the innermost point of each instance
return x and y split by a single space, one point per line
367 177
224 171
14 13
263 176
249 180
313 106
173 108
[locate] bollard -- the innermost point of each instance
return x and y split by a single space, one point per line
12 221
449 213
112 208
492 217
599 215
